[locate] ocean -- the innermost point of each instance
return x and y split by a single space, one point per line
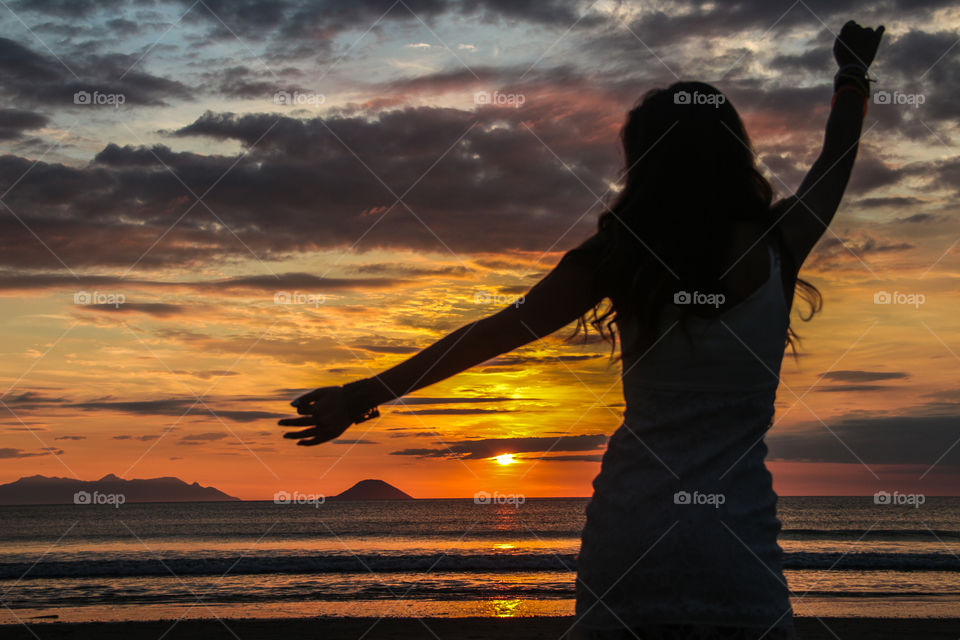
844 556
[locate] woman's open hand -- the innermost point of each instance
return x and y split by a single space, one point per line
856 44
324 412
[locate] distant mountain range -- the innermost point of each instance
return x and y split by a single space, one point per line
44 490
110 490
372 490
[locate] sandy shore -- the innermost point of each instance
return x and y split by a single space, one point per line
431 628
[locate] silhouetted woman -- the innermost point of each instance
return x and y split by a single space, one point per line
695 269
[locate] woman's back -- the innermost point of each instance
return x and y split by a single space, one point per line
682 525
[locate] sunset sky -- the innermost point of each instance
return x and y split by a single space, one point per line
210 207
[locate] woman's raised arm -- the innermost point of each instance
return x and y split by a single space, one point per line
808 213
562 296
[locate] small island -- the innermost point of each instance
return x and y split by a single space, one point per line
372 490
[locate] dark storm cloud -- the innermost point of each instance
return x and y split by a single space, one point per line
71 8
305 185
311 184
704 19
321 20
876 440
13 122
40 78
895 201
490 447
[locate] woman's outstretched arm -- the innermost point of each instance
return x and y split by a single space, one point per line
562 296
808 213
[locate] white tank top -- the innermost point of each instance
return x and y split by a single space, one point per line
739 350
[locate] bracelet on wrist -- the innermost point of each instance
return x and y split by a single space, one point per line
851 87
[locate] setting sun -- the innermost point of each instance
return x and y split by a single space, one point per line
506 458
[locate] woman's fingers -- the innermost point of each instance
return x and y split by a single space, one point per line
304 400
295 435
298 422
313 436
313 442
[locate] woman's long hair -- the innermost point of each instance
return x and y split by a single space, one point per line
689 177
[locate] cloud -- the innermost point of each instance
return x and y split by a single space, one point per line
885 439
386 348
420 400
266 284
593 457
491 447
451 412
156 309
864 376
8 453
201 438
892 201
13 122
43 79
173 407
